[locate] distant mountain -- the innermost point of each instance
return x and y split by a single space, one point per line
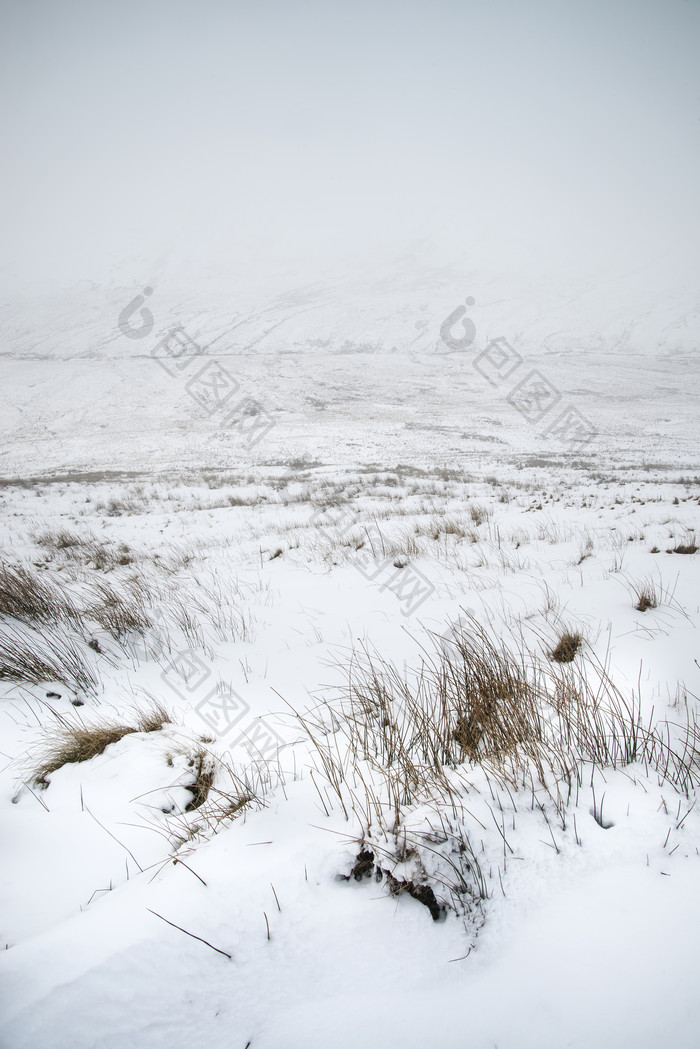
399 308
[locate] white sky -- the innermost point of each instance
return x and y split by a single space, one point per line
535 133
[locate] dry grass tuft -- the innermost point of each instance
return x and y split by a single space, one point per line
479 513
204 771
120 612
71 743
76 743
568 646
32 598
394 745
27 655
488 694
84 549
646 597
220 794
152 720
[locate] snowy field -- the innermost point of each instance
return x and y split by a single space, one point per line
288 759
350 496
349 666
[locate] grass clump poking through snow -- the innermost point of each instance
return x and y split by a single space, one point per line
220 795
72 743
479 513
44 632
646 596
26 596
120 613
489 696
203 767
84 550
153 719
26 655
400 753
567 647
685 548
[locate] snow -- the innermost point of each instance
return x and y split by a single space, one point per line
347 356
586 932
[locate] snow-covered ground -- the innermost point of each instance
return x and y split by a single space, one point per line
263 537
563 877
350 491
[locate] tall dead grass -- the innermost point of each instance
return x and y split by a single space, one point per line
392 744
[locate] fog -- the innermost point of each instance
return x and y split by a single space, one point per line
554 137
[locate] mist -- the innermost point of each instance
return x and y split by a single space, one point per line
306 138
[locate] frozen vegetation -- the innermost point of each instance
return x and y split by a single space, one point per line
308 755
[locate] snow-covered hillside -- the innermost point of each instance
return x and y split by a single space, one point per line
383 370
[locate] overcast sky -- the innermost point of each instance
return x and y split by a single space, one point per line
566 133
